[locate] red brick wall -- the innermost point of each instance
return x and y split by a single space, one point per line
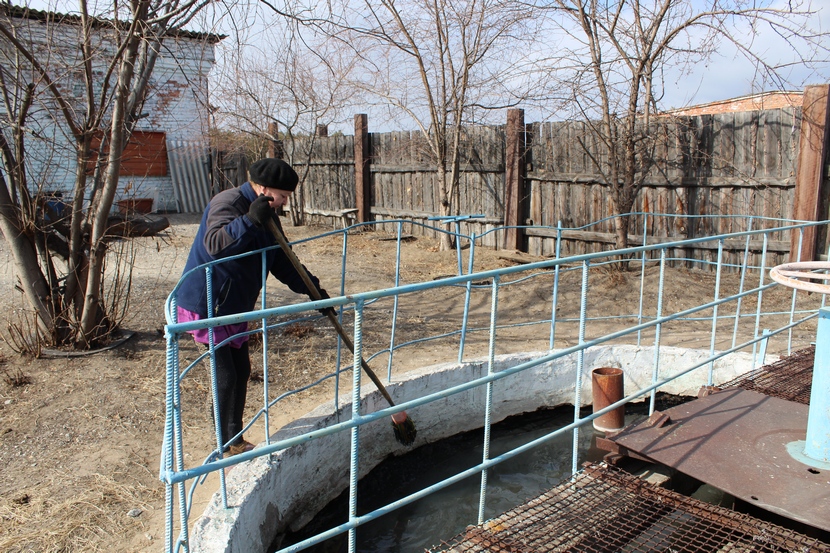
765 100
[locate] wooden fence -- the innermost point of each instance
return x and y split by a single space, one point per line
726 167
326 173
735 165
401 183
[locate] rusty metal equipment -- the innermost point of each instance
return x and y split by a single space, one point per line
604 509
788 378
736 440
814 449
607 387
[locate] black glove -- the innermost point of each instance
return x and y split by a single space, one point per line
325 311
261 211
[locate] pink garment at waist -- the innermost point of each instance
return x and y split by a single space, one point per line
220 333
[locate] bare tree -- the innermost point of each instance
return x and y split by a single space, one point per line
278 89
79 80
457 53
613 63
438 63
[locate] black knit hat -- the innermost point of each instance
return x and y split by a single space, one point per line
273 173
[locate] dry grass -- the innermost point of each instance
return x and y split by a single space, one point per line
298 330
13 376
299 354
615 275
22 334
50 517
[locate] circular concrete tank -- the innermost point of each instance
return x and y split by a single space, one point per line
272 494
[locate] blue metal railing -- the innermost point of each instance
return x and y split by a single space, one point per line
175 476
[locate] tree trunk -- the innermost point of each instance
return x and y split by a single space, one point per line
32 281
621 225
624 201
445 208
73 293
93 315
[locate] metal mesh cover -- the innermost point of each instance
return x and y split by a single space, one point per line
789 378
604 509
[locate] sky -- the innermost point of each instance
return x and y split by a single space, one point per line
726 75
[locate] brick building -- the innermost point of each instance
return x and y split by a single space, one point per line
175 114
752 102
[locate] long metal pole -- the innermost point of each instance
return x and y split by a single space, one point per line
330 314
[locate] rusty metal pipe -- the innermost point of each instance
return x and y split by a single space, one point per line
607 388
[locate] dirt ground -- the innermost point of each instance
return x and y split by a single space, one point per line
80 436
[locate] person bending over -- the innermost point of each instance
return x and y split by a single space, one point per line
234 222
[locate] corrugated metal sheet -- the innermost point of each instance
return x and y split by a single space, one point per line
190 169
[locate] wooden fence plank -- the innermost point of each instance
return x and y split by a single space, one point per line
812 155
771 144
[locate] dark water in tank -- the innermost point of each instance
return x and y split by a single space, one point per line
444 514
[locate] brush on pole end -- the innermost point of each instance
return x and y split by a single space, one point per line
404 428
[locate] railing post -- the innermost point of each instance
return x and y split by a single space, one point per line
818 423
815 450
488 405
355 434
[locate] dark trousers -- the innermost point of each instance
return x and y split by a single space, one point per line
233 368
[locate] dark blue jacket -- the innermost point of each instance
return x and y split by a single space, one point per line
225 231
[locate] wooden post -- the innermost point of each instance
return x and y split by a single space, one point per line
514 179
322 130
812 151
362 176
275 146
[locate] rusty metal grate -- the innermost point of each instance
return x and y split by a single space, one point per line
788 378
604 509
